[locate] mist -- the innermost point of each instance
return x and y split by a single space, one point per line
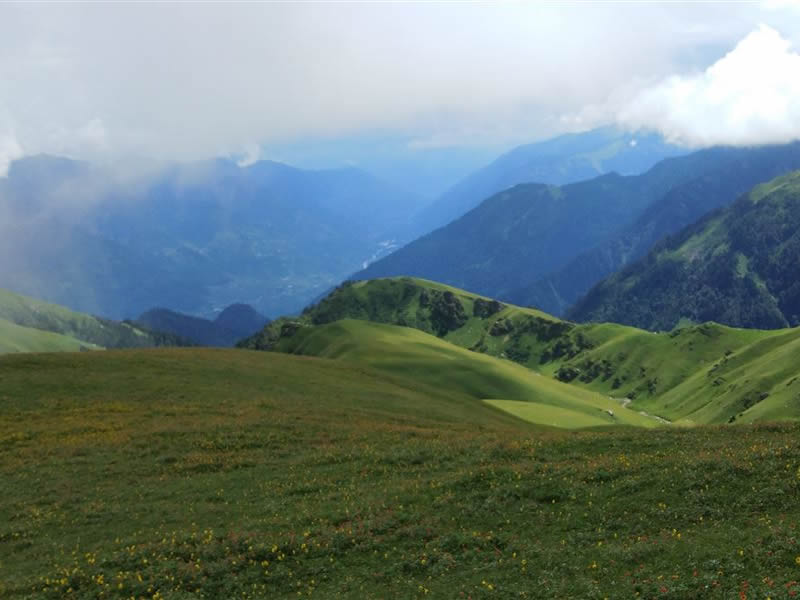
185 82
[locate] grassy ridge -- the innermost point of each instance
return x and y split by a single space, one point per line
700 374
15 338
426 359
43 316
195 473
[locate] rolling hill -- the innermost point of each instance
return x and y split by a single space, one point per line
426 359
737 266
706 373
530 231
30 325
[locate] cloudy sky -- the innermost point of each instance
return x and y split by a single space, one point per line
189 81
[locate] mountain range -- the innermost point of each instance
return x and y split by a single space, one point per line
235 322
564 159
191 237
517 237
737 266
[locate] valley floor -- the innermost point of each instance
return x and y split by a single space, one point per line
201 473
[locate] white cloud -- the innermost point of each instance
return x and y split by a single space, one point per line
10 150
179 81
251 155
750 96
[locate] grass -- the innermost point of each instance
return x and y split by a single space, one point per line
700 374
196 473
83 329
424 358
15 338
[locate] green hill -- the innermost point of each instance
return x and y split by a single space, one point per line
423 358
234 474
15 338
739 266
42 326
700 374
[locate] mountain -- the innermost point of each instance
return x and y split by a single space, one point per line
707 373
118 240
529 231
234 323
423 166
30 325
241 319
680 207
738 266
558 161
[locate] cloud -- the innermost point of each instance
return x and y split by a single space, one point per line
9 150
178 81
750 96
251 155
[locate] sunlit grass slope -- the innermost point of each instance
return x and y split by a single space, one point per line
15 338
426 359
46 317
195 473
704 373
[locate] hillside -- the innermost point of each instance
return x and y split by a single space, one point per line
679 208
525 233
34 325
16 338
225 473
738 266
558 161
193 237
706 373
426 359
232 324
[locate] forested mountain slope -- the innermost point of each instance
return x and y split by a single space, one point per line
739 266
530 231
679 208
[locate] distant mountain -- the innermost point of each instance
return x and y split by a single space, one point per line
558 161
234 323
738 172
192 237
529 231
739 266
28 324
422 166
241 320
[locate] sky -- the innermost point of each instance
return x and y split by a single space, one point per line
190 81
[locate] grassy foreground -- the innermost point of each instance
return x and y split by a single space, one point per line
231 474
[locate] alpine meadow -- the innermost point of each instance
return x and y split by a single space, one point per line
399 300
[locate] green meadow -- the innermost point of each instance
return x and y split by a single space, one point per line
16 338
196 473
700 374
